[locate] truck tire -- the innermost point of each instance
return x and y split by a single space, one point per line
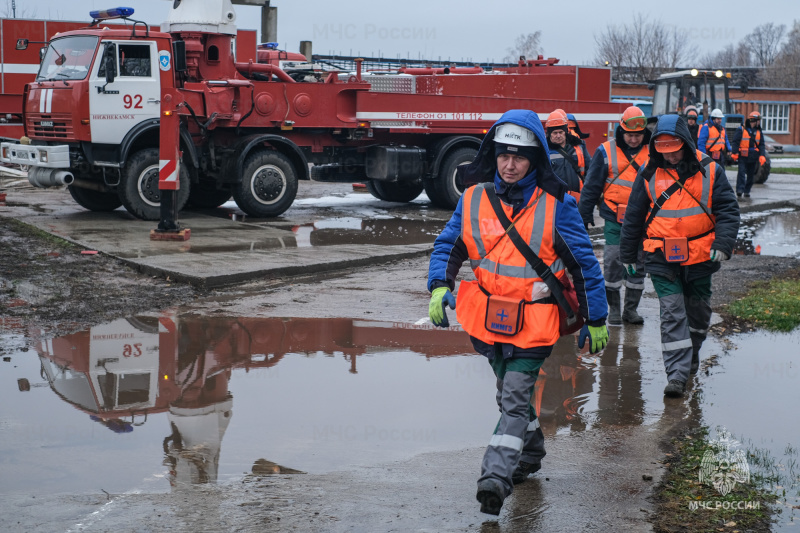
138 187
268 186
763 172
94 200
206 195
443 190
396 191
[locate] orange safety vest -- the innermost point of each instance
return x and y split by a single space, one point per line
717 144
620 182
500 269
680 215
744 144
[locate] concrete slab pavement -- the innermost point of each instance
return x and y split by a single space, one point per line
224 252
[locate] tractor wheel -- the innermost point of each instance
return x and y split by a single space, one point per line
397 191
443 190
138 188
94 200
206 195
268 186
763 172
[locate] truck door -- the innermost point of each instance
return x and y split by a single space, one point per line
131 98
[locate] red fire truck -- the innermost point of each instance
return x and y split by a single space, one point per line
252 130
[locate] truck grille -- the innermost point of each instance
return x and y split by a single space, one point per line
50 126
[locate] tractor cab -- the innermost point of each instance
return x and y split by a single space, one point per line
704 90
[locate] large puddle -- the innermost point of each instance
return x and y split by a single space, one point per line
153 402
775 232
754 394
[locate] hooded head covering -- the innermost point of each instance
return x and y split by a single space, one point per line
674 125
484 167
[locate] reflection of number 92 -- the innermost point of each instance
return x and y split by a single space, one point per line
132 101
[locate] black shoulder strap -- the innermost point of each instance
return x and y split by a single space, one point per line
542 270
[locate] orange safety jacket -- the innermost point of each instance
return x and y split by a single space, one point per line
681 215
717 144
500 269
620 182
744 144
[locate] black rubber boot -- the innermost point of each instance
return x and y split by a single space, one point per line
614 318
695 363
675 388
523 471
491 497
632 298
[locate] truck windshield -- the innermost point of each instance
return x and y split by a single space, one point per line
68 58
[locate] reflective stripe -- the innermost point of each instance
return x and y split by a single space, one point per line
612 147
614 284
506 441
679 213
534 425
475 203
676 345
637 286
537 231
700 331
621 183
556 156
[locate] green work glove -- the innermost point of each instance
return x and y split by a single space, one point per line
630 268
598 336
440 297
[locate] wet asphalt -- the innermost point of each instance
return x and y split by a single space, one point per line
333 405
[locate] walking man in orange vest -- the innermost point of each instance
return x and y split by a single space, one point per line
712 140
748 151
610 177
522 234
684 208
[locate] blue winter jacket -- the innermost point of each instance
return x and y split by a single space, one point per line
571 241
702 137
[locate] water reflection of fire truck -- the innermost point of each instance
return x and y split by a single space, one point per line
121 372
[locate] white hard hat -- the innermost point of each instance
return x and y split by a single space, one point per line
514 134
717 113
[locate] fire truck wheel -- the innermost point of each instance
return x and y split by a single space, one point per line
762 173
205 195
94 200
443 190
398 191
138 188
268 186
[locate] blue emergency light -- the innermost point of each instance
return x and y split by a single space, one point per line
115 13
269 46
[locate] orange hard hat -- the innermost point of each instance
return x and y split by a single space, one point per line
556 119
666 143
755 115
633 119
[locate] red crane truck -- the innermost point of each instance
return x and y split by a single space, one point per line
252 130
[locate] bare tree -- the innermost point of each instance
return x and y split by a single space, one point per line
764 42
785 70
528 45
642 50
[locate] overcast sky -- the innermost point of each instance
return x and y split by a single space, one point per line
465 30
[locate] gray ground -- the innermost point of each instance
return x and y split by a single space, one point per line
593 480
